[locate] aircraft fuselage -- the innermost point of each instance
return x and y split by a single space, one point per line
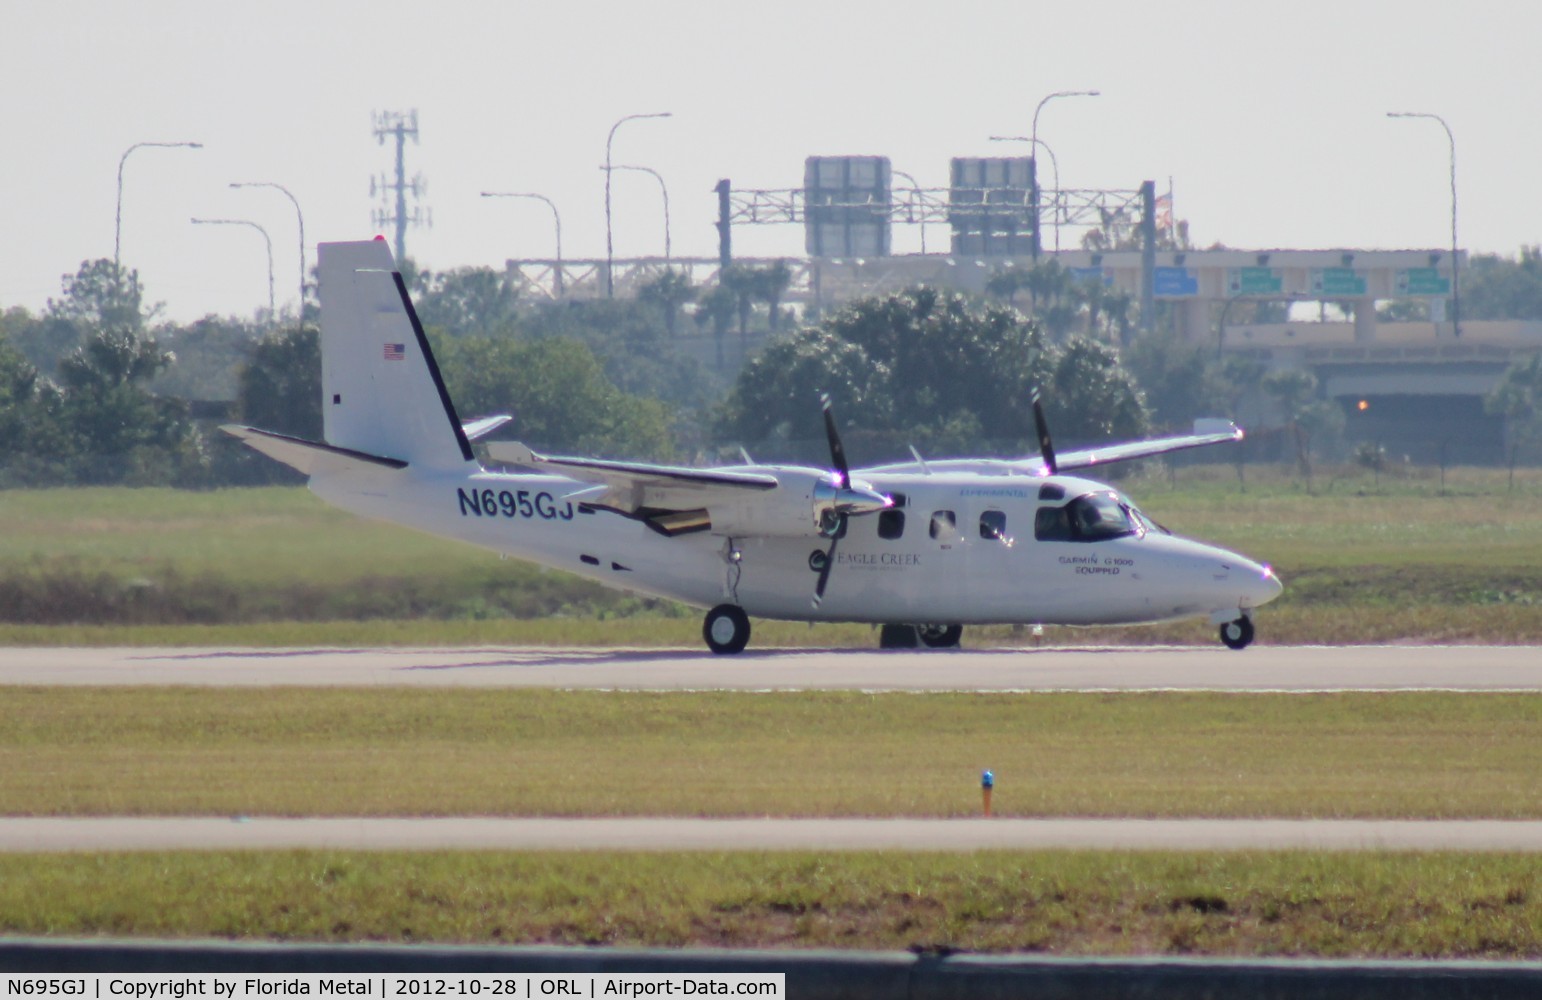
958 548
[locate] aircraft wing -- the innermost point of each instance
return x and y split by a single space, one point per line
630 487
1206 432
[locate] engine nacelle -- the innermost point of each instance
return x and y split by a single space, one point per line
803 505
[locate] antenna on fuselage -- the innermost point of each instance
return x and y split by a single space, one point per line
919 460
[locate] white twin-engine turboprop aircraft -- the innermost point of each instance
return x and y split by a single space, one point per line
937 545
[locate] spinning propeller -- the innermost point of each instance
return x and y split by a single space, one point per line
840 500
1046 447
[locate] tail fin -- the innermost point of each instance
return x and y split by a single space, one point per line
382 393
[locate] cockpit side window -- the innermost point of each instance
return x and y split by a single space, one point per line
1094 517
1052 524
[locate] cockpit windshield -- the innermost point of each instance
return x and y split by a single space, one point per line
1092 517
1140 517
1097 516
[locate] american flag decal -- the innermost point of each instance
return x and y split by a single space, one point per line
396 352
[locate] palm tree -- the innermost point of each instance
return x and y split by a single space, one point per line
771 283
668 292
743 284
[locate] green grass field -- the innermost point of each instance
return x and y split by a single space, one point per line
1072 903
1397 560
288 751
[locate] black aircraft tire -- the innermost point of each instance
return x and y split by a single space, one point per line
1237 634
940 636
726 629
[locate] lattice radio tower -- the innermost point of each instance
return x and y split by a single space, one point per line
393 211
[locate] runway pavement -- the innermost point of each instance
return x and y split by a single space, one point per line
1210 668
667 834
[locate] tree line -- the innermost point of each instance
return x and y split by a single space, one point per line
98 388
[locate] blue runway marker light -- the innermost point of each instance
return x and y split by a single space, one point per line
987 780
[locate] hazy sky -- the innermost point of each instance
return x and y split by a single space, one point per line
1268 117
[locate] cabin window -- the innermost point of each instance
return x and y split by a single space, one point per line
899 499
891 523
944 525
993 526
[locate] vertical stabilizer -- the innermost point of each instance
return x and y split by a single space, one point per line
381 392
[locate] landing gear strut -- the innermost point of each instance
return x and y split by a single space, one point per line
1237 634
726 629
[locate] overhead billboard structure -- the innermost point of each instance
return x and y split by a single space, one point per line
846 205
990 205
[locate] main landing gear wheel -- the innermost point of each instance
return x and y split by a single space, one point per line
726 629
940 636
1237 634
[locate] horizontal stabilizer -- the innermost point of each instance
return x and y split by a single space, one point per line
486 425
309 457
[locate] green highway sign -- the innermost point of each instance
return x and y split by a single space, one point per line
1422 281
1338 282
1253 281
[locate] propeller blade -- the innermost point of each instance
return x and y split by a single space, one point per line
837 450
1046 447
824 571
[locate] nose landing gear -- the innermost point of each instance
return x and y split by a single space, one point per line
1237 634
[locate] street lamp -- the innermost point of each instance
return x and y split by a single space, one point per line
665 190
270 184
1054 165
265 240
919 204
1033 170
557 280
610 285
117 229
1456 295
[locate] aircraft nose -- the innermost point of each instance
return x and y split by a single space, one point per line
1264 586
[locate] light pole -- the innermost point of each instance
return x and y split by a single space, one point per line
1456 295
610 285
1054 166
557 280
917 188
662 188
300 317
1033 170
117 228
265 240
